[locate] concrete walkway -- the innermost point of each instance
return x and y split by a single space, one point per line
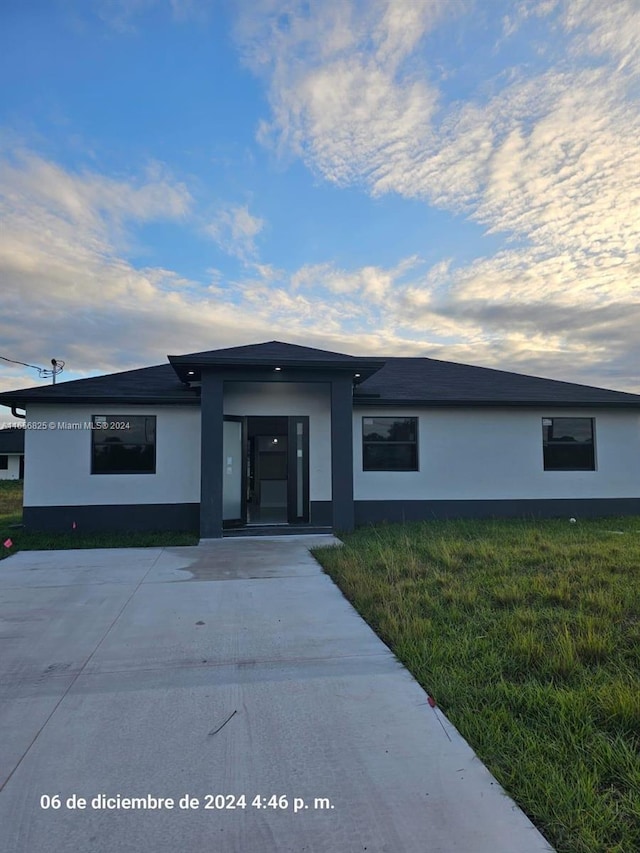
231 668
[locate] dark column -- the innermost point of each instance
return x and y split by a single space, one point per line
342 453
211 425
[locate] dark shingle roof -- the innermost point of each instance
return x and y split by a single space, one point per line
394 380
428 380
12 440
270 351
157 384
270 355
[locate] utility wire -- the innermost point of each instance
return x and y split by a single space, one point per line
43 372
24 363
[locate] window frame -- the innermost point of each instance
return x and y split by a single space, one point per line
594 461
117 418
415 443
4 461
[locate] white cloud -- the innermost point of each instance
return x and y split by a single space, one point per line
342 96
549 159
234 230
608 30
88 202
66 281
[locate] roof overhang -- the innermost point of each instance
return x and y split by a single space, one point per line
189 369
372 400
20 399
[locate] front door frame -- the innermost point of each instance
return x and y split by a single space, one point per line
339 376
292 462
292 469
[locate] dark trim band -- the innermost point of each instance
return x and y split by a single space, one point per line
375 512
321 513
112 518
186 517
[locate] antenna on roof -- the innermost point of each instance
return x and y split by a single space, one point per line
57 367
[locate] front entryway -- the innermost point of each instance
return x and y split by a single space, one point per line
265 471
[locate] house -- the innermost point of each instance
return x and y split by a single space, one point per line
277 434
11 453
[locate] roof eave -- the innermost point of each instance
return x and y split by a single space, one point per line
93 399
560 404
347 364
190 370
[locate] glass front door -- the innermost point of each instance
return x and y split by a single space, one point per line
265 470
268 472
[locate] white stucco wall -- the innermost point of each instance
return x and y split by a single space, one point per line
464 454
292 398
58 461
474 454
12 471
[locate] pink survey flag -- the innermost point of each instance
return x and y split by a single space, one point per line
7 543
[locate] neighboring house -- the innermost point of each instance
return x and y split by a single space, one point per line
277 434
11 453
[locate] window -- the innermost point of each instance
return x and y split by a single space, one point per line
390 444
568 444
4 462
123 444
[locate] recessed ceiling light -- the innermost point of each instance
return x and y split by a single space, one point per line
357 375
278 368
191 373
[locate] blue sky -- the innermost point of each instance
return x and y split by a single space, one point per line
453 179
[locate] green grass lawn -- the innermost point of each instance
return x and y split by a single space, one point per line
527 634
10 528
10 504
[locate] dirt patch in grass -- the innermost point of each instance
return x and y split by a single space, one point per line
528 636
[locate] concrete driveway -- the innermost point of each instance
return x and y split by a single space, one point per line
215 672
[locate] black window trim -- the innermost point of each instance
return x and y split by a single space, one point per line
593 443
124 418
415 418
